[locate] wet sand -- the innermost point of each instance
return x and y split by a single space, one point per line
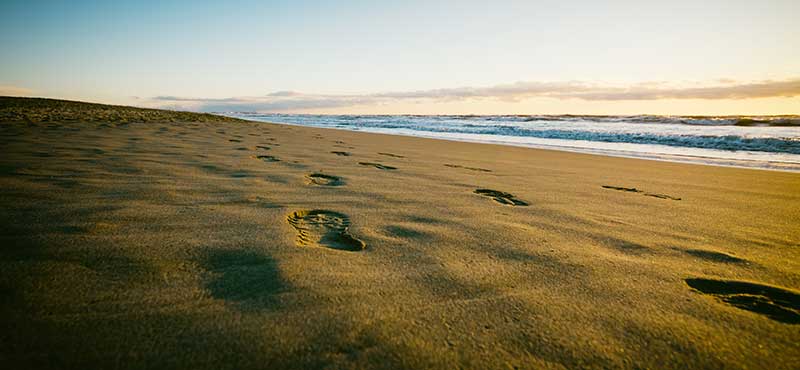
249 245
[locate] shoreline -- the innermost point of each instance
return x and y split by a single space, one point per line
672 158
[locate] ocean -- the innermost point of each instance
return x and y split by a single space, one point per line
767 142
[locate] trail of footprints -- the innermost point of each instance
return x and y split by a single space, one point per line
330 229
319 228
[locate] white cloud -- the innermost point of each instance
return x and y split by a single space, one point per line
290 100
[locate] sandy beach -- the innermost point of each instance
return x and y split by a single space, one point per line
233 245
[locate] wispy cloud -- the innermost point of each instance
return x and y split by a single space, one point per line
294 101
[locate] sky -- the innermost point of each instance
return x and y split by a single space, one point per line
419 57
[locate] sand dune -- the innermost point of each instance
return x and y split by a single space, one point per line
185 245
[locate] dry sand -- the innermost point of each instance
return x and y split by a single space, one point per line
250 245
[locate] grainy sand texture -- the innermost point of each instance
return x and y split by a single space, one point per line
142 243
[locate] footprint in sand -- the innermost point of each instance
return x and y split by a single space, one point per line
715 256
619 188
392 155
377 165
323 228
467 168
343 154
776 303
635 190
268 158
501 197
324 180
661 196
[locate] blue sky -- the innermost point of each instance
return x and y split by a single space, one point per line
342 54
